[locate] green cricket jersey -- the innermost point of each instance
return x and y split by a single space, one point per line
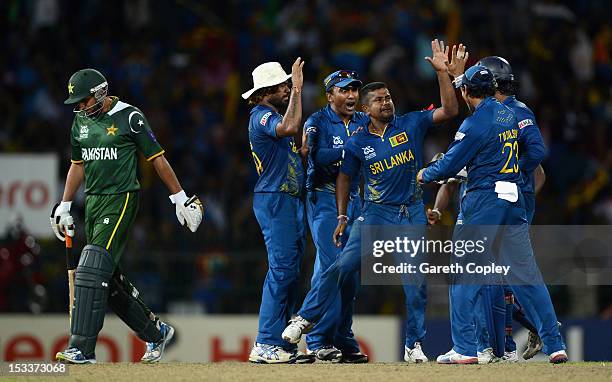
108 147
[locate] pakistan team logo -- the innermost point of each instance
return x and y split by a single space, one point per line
84 133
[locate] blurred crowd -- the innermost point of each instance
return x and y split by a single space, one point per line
185 64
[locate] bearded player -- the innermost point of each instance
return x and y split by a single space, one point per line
106 136
278 202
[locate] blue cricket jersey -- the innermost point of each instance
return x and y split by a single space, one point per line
486 144
531 145
327 134
277 160
389 163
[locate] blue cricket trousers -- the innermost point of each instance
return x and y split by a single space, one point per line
339 275
281 218
334 328
485 208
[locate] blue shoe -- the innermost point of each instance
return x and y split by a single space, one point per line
155 350
73 355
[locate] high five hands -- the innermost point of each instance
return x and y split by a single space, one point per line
439 58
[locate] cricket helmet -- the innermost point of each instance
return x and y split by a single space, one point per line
83 84
499 66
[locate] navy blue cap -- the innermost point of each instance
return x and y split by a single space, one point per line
477 76
341 79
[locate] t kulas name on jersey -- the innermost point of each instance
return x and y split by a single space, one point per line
392 161
99 153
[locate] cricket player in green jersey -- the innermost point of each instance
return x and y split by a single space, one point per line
106 136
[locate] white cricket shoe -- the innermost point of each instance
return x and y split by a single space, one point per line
297 327
452 357
510 357
264 353
415 355
558 357
487 356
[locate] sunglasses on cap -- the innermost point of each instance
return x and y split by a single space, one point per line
341 76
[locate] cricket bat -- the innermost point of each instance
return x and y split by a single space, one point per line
71 264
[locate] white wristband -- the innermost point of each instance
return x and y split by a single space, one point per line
66 205
178 198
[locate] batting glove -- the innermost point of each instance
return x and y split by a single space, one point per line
61 221
188 210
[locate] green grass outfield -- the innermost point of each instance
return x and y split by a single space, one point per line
374 372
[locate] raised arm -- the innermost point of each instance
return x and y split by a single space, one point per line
448 99
292 119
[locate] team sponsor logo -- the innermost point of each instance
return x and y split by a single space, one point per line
459 135
525 123
398 139
99 153
265 117
338 142
311 129
369 152
84 132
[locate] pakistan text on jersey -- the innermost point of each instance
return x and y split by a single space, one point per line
99 153
392 161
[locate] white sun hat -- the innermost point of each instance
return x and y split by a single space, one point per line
267 74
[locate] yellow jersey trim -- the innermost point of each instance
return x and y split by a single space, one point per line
127 199
155 155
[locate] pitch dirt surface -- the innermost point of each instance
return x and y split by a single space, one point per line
375 372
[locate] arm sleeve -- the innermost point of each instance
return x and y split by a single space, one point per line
532 150
267 121
321 156
76 155
351 162
143 135
422 120
468 141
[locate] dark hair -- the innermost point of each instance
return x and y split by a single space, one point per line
259 94
506 87
365 91
480 92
